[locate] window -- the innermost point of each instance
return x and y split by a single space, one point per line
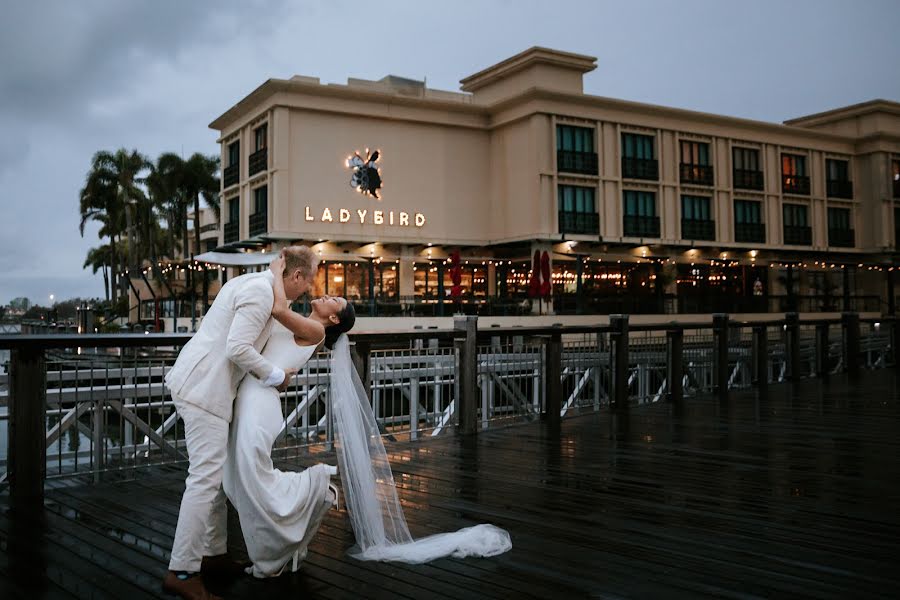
232 227
640 204
795 215
793 174
748 224
840 232
259 159
640 218
260 136
796 225
895 177
259 218
575 150
231 175
695 166
577 210
260 200
638 161
575 139
234 153
695 208
746 171
838 183
696 218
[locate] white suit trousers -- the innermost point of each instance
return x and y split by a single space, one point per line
203 518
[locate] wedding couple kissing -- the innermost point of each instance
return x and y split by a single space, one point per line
226 386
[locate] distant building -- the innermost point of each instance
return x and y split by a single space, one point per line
640 208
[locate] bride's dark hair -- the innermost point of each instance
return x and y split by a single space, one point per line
347 318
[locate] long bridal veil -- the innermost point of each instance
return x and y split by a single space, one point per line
369 491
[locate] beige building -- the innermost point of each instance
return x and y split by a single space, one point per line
639 208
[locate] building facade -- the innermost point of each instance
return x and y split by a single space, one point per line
638 208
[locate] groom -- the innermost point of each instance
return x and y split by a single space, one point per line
203 384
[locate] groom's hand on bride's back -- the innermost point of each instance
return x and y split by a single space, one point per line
288 376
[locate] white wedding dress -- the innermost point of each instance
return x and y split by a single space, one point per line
280 511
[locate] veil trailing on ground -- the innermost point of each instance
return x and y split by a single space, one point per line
369 490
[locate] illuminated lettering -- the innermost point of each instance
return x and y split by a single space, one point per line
345 215
391 220
362 214
404 219
326 216
309 217
420 219
379 217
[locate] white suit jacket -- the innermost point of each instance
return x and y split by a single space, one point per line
227 346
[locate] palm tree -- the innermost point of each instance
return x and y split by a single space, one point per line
164 187
113 182
201 178
100 258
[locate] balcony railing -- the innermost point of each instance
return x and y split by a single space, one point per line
795 184
748 180
232 232
574 222
797 235
694 229
231 175
209 227
259 161
844 238
750 233
696 174
641 226
839 188
640 168
259 223
569 161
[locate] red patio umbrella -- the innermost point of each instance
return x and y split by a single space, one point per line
455 275
545 274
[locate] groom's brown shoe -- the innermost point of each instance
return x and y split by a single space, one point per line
189 589
222 565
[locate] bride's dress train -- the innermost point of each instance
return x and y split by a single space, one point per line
368 483
280 511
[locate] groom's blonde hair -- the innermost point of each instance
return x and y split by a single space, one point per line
300 258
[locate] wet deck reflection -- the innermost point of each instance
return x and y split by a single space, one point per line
792 495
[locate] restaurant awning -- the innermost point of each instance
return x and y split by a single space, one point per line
237 259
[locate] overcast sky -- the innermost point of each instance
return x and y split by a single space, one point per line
77 77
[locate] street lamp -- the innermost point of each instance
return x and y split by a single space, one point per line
51 299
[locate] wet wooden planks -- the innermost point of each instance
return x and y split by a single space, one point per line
792 495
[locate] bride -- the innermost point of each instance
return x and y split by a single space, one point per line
280 511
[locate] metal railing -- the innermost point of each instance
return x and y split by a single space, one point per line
80 406
231 175
695 229
570 161
695 174
259 161
795 184
579 222
839 188
747 179
634 226
640 168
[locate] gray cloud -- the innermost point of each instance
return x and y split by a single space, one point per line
76 77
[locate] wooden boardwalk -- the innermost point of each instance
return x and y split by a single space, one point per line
796 495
